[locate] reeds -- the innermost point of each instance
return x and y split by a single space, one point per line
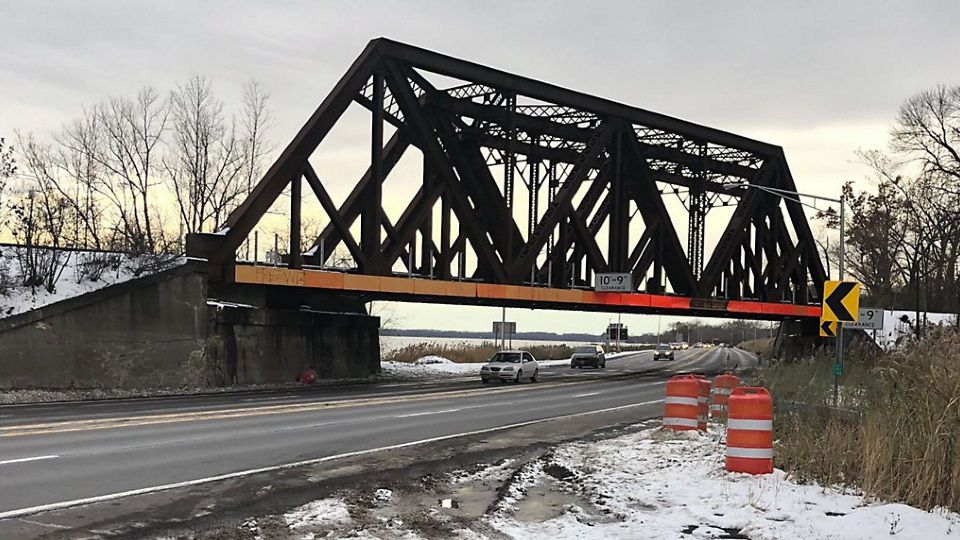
469 352
896 432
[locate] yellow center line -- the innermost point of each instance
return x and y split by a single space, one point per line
133 421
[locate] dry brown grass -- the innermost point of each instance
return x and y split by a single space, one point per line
466 352
898 436
761 346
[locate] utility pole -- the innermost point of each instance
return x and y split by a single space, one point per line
658 328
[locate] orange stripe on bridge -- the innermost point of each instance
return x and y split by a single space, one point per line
444 291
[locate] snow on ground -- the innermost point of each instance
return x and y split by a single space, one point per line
323 514
428 368
655 484
646 484
72 281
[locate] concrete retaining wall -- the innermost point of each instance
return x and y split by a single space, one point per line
145 332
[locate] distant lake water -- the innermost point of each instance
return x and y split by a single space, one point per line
389 343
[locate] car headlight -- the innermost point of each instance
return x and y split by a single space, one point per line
485 368
507 369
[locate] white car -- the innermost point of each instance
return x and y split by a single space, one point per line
510 366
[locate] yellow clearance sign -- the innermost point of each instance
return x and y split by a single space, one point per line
841 301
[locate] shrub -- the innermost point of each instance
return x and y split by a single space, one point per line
896 434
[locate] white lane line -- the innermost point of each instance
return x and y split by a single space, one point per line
41 524
442 411
239 474
410 415
26 459
587 394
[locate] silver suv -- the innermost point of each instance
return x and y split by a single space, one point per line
590 355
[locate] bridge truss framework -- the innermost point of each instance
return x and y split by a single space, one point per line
525 178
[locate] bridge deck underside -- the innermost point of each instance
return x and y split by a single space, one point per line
415 289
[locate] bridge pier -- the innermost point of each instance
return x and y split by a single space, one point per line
270 334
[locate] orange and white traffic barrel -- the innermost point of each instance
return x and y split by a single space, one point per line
722 386
703 402
750 431
681 408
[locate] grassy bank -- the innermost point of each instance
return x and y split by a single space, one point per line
896 434
466 352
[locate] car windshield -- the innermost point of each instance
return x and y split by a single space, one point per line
506 357
663 347
587 350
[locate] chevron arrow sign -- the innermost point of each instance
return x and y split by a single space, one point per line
828 328
841 301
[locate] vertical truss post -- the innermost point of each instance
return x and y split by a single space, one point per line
510 167
296 197
446 255
697 216
657 265
534 190
551 189
426 228
510 161
620 211
371 223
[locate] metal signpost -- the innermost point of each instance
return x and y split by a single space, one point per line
617 332
613 282
502 329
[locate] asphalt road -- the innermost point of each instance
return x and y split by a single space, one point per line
62 455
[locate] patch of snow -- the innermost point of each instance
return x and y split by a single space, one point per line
424 369
220 304
318 516
619 354
432 359
71 283
654 484
560 362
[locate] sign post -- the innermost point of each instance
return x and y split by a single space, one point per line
501 329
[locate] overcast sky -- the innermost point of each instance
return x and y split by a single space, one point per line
822 79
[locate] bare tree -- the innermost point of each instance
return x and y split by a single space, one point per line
212 162
121 138
255 119
927 132
7 167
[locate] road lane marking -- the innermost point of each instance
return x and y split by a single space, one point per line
219 414
458 409
425 413
41 524
26 459
587 394
132 421
20 512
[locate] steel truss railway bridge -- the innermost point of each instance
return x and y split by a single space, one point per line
527 191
